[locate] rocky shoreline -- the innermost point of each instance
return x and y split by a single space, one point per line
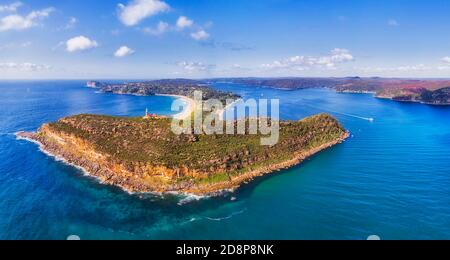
298 158
97 166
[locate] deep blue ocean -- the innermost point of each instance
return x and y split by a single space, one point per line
391 179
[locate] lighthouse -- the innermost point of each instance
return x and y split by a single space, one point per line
147 114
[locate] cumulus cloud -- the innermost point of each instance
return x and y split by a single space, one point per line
200 35
123 51
193 67
161 28
23 67
184 22
336 56
80 43
446 59
19 22
137 10
10 7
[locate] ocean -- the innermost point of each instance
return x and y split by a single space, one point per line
390 179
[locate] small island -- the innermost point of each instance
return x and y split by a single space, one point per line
142 155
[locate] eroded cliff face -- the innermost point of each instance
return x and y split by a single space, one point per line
144 156
132 178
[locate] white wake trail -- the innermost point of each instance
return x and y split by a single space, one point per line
370 119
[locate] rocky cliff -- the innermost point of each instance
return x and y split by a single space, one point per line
145 156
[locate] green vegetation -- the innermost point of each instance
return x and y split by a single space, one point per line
135 142
430 91
181 87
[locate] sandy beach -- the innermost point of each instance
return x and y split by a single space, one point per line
188 110
221 112
191 105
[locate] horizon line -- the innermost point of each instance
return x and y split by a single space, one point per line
213 78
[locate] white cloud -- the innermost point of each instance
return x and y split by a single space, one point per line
301 63
446 59
184 22
123 51
19 22
338 56
403 68
443 68
419 67
80 43
10 7
161 28
137 10
23 67
393 23
193 67
200 35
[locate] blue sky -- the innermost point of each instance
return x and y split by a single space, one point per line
146 39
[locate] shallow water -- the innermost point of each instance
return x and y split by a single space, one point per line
392 178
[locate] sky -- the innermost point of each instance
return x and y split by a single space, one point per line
150 39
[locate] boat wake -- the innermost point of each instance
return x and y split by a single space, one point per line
189 221
370 119
226 217
218 219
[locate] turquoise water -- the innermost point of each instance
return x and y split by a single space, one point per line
392 178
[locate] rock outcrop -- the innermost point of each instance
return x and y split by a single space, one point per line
145 156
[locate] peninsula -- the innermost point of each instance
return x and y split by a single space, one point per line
144 156
171 87
425 91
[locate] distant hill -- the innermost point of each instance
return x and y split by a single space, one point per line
434 92
181 87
